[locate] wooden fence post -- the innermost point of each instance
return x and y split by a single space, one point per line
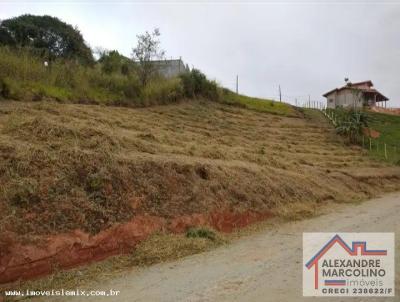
370 144
385 152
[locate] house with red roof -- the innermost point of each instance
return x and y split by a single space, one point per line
355 95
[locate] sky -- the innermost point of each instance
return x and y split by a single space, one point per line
306 47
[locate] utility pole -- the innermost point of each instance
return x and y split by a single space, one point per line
237 84
280 94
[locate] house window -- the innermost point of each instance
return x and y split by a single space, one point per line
330 100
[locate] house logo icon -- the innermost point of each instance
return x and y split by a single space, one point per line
348 264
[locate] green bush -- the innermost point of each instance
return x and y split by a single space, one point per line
4 89
162 91
20 64
10 89
200 233
351 124
196 84
132 88
23 76
113 62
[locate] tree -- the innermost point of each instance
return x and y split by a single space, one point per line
113 62
51 37
147 50
110 61
5 37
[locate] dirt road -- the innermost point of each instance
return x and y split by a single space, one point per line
262 267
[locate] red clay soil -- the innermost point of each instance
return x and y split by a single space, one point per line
25 261
371 133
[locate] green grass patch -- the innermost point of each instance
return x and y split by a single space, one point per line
200 233
313 115
261 105
388 127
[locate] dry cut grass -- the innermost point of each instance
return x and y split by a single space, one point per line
66 166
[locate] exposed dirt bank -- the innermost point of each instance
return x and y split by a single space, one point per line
24 261
263 267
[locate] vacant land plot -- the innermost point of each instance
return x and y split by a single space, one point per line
88 167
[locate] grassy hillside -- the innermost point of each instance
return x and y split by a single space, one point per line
384 129
24 77
388 126
88 167
261 105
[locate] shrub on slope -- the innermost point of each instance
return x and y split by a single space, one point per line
23 76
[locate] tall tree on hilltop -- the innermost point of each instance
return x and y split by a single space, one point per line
147 50
50 36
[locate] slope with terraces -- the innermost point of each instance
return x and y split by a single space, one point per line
101 179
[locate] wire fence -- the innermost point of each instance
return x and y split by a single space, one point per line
375 146
380 148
